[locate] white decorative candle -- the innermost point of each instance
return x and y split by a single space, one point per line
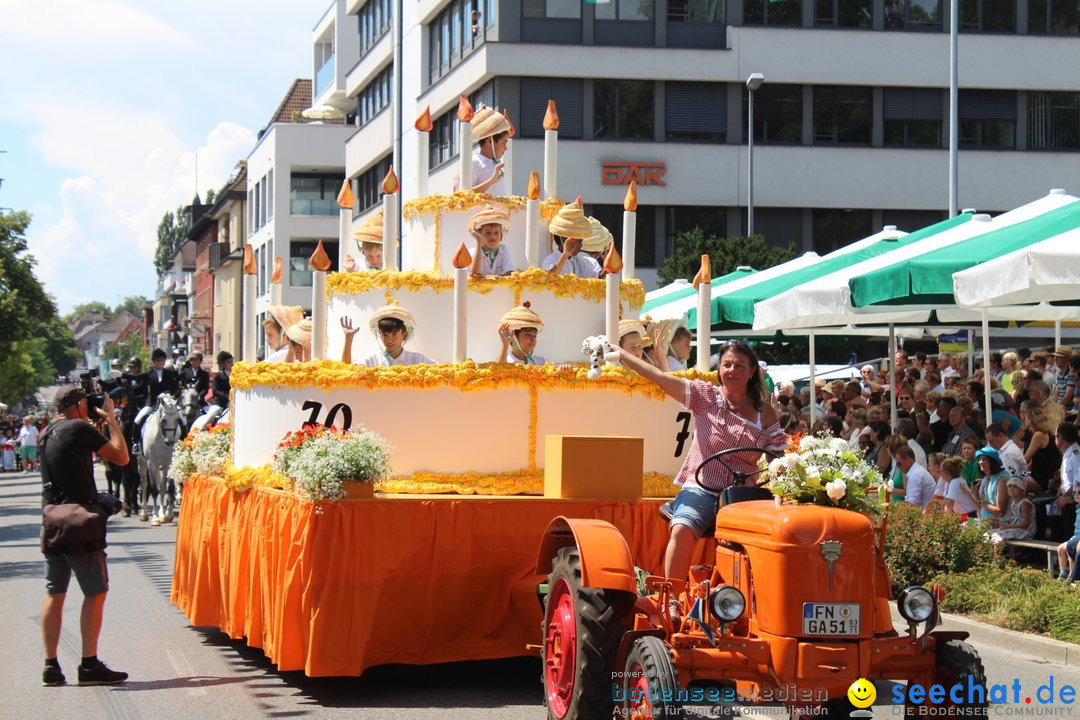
462 263
629 231
551 149
345 201
248 307
320 263
423 126
532 222
465 115
703 284
390 187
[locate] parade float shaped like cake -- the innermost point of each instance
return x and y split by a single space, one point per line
456 426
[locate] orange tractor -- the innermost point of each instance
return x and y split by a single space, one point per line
795 608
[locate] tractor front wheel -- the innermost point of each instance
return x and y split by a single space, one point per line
651 681
957 664
582 629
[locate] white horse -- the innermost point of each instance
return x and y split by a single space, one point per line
190 408
160 432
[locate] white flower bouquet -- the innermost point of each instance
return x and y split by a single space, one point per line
321 460
205 452
825 471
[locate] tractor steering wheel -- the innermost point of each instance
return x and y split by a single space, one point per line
740 478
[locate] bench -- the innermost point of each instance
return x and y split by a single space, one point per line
1048 546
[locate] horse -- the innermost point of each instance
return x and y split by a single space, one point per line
160 432
190 408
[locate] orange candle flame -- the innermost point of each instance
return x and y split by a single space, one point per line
704 274
464 109
613 261
390 184
511 132
629 203
462 258
533 192
249 261
319 259
424 123
345 197
551 117
275 279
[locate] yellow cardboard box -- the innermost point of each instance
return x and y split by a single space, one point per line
608 467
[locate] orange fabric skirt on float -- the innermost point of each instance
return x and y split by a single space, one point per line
334 588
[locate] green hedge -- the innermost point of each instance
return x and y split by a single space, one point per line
919 547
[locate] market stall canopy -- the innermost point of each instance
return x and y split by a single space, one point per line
684 289
1048 271
926 278
827 300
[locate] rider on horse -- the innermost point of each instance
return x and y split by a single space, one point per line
157 381
192 375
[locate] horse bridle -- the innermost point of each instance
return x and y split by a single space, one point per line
167 430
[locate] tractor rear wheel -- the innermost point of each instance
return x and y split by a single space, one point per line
582 629
957 662
651 681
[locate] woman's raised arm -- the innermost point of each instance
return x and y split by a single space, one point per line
673 386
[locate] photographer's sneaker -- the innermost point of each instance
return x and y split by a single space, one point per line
100 674
52 676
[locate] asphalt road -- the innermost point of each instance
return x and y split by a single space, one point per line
182 672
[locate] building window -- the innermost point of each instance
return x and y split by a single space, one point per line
696 112
696 11
628 10
251 211
374 19
1053 17
781 227
313 193
834 229
911 220
912 14
988 15
842 115
568 96
778 114
369 184
258 204
375 96
780 13
1053 121
300 252
565 9
913 117
843 13
270 195
623 109
987 119
610 216
454 34
712 221
443 138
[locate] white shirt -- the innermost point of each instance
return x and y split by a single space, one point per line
581 265
279 355
483 167
962 502
503 262
674 364
512 358
1012 459
1070 469
920 486
380 359
28 436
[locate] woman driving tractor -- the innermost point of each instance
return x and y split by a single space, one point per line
732 414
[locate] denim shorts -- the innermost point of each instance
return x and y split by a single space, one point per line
90 571
696 509
1071 545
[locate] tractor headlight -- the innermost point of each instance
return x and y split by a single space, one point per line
727 603
915 604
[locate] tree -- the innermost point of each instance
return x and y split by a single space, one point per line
133 304
94 306
23 300
725 254
60 349
24 368
171 233
129 347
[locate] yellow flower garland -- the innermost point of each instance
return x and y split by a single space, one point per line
469 375
245 478
532 280
466 199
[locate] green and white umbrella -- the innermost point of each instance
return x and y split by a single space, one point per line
1047 271
684 288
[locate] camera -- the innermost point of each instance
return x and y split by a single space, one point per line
94 400
110 502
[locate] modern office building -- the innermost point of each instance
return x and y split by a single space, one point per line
850 125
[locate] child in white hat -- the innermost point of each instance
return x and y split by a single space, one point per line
393 326
489 226
517 331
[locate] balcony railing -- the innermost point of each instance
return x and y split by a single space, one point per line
324 76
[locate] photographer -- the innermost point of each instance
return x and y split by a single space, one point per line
67 473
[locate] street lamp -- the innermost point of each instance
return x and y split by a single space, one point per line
752 83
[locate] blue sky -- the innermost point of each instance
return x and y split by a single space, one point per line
105 106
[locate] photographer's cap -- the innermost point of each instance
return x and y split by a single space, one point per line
67 396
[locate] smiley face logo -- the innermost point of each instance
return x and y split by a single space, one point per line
862 693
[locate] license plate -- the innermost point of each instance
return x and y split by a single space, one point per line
830 619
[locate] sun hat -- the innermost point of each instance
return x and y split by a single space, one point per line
522 317
395 312
286 315
300 332
487 122
570 222
371 230
491 215
632 326
1063 351
988 452
599 237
